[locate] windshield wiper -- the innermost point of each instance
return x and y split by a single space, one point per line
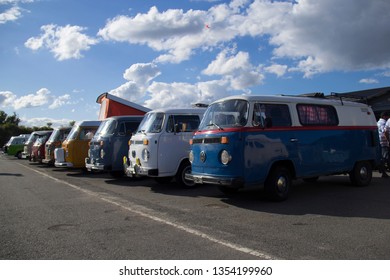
214 124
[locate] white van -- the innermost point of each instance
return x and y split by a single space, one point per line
271 140
160 147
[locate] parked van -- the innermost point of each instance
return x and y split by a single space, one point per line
15 145
30 142
160 147
55 141
75 147
38 149
111 143
270 140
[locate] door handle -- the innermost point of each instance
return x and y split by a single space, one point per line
293 140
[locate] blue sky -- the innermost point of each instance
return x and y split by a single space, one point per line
57 56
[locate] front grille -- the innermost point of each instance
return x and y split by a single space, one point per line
137 142
209 140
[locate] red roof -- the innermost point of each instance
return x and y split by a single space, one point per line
112 105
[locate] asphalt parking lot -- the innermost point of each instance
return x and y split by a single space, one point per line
52 213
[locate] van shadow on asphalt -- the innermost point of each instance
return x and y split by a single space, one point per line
11 174
328 196
170 188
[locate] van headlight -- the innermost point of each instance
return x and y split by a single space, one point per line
102 153
145 154
225 157
191 156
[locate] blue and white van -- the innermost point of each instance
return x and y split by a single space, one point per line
271 140
161 146
110 143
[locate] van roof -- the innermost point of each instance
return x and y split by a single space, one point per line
292 99
179 110
129 117
63 128
18 137
88 123
41 132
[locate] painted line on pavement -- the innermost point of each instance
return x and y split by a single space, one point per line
150 214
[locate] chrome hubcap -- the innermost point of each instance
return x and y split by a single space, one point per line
281 184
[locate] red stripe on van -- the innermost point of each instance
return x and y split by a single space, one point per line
286 128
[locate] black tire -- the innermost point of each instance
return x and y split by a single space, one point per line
19 155
361 174
278 183
184 168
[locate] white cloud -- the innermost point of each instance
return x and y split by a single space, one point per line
235 68
66 42
224 65
163 95
129 91
176 32
368 81
385 74
6 98
329 35
3 2
42 97
141 73
14 12
39 122
315 35
11 14
60 101
139 76
277 69
246 80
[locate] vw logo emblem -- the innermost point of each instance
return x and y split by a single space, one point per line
202 156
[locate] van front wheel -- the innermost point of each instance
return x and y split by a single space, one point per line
361 174
278 184
184 168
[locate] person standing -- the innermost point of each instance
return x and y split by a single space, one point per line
384 129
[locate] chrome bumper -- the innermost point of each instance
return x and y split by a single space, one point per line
215 180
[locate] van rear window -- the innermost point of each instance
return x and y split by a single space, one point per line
314 114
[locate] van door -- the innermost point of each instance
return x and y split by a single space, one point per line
322 148
272 139
173 144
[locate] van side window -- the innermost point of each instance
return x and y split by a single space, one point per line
87 133
183 123
271 115
314 114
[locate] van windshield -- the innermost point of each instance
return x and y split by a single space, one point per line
41 139
228 113
55 136
73 133
106 128
32 138
151 123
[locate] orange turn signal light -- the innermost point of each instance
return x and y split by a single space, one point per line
224 140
